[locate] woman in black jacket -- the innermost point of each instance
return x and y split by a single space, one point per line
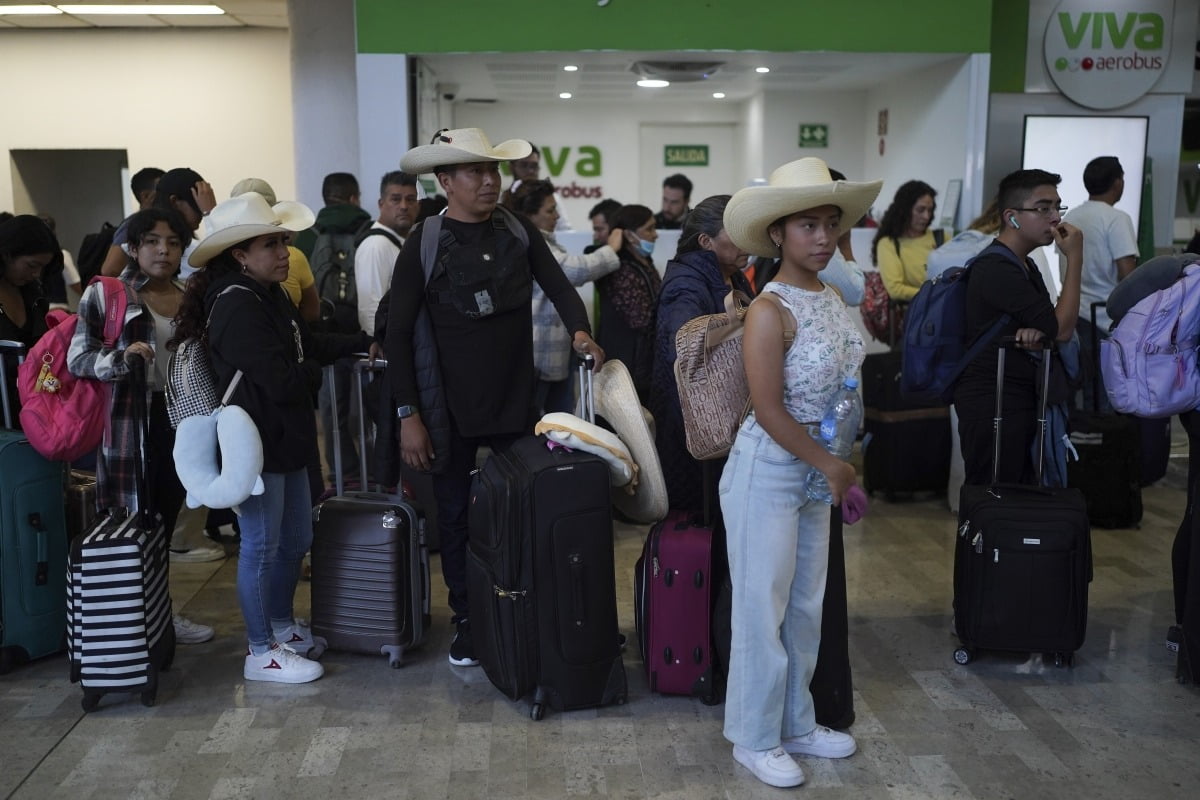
250 325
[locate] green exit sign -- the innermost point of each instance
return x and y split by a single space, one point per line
685 155
814 135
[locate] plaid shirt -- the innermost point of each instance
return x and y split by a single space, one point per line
551 342
88 358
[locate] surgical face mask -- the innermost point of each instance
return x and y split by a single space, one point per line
647 246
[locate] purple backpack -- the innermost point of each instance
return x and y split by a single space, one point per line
1149 362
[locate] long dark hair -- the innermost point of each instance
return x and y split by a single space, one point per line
27 235
895 219
528 198
192 319
708 216
630 218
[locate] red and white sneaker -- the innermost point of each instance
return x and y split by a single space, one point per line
299 639
281 665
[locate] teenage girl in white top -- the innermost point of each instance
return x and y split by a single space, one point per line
778 539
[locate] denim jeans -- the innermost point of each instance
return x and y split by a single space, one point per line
778 544
276 533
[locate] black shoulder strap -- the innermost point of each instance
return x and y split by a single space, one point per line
939 237
363 235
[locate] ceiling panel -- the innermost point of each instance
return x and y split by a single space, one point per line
256 13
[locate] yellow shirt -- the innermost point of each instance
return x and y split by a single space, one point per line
903 274
299 277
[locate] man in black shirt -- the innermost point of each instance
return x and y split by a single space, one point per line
477 339
1009 283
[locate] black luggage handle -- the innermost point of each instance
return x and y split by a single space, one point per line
1005 344
361 365
1095 356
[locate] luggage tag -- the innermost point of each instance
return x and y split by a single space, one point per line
46 380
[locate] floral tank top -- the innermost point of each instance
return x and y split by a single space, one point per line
828 349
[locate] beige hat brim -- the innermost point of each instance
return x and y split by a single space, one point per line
290 216
424 158
617 401
752 210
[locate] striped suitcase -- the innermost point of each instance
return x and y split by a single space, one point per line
119 628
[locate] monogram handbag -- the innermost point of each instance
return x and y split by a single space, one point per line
713 393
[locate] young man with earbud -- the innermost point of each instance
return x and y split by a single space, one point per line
1005 281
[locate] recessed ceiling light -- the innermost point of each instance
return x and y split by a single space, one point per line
565 95
28 10
762 70
653 83
570 68
719 95
138 9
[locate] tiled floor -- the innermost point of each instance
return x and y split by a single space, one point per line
1117 725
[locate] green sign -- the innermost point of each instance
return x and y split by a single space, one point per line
685 155
814 135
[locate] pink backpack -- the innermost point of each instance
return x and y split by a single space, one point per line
64 416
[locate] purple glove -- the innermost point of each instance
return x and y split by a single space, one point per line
854 505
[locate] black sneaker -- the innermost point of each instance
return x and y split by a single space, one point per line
462 651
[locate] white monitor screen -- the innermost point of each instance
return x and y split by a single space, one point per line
1066 144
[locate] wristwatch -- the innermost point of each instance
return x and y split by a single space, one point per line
404 412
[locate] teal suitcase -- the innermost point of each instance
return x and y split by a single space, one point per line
33 550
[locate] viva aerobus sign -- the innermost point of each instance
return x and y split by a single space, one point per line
1107 53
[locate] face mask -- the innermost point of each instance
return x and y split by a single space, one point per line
646 246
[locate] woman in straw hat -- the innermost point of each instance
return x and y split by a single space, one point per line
237 303
778 539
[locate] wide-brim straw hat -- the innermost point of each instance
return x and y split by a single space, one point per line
616 400
461 146
245 217
795 186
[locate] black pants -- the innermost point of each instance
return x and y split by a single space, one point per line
1186 538
165 492
975 431
452 488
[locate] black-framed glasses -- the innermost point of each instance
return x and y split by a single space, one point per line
1044 211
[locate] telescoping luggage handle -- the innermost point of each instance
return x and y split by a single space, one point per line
1095 365
587 399
359 367
8 346
1047 349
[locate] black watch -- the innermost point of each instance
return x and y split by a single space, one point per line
404 412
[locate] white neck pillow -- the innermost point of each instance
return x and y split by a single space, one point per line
239 474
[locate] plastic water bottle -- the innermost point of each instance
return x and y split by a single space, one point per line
837 432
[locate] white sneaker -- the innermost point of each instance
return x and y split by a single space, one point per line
197 555
300 640
773 767
281 665
822 743
188 632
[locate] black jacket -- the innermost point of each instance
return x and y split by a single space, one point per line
260 332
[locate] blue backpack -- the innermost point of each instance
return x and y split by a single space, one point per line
935 334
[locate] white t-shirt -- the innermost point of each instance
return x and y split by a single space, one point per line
374 261
1107 236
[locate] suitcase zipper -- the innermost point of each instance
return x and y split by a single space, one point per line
978 542
996 556
508 594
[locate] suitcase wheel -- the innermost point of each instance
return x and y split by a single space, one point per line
395 655
149 697
537 712
89 702
1060 659
963 655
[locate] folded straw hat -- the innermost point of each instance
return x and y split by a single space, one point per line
245 217
793 187
254 185
617 401
461 146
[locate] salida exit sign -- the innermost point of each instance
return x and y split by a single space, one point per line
814 135
685 155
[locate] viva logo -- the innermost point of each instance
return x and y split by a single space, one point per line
1107 54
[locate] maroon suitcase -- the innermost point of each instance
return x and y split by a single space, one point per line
672 607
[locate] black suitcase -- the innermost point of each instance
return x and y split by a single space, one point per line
370 567
1022 560
120 633
541 577
832 686
1108 470
906 445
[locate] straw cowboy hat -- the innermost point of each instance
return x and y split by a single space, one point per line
617 401
796 186
461 146
245 217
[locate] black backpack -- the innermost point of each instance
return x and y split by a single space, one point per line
93 251
332 264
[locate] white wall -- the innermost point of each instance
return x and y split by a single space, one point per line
841 111
927 132
217 100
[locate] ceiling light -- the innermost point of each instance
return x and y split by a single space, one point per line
719 95
570 68
565 95
28 10
762 70
651 83
139 9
